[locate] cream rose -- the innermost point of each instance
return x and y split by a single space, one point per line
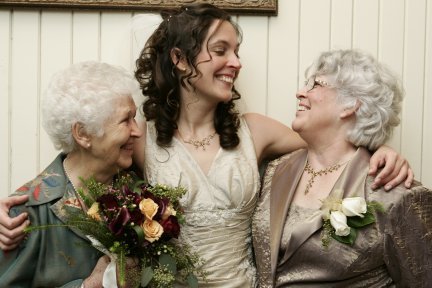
168 212
354 206
339 222
93 212
149 208
152 230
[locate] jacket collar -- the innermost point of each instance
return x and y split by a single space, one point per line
284 184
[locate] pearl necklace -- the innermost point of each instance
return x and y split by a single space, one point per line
73 186
198 143
321 172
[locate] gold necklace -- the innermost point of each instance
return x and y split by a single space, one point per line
321 172
199 143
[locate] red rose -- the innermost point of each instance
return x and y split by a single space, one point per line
117 225
171 227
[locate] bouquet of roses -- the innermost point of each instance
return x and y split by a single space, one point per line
131 218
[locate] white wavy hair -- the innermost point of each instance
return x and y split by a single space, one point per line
84 92
358 76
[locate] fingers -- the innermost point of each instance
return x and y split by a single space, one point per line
95 278
377 162
11 229
410 178
7 244
385 174
14 200
9 239
11 226
401 173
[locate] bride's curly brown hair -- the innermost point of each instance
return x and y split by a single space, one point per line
186 30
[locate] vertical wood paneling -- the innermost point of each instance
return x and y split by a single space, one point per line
365 25
56 54
116 38
24 81
415 21
85 36
314 32
274 54
5 26
253 56
391 46
341 24
426 168
283 62
143 26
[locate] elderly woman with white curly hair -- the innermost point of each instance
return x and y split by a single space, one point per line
326 227
89 113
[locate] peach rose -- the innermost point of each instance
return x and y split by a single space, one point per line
93 212
152 230
168 212
149 208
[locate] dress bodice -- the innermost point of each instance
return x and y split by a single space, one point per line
218 205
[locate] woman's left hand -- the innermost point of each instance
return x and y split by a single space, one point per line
395 171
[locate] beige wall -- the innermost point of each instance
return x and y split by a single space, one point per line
276 50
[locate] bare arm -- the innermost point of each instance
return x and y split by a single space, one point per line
271 137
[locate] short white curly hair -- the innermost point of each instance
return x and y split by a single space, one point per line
358 76
84 92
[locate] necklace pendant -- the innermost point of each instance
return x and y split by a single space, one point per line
206 141
313 174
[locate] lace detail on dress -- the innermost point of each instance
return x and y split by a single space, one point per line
218 205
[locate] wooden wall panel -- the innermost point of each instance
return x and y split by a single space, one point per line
314 32
391 46
56 54
24 81
341 24
85 36
414 67
116 38
365 25
5 148
283 62
426 168
252 81
275 52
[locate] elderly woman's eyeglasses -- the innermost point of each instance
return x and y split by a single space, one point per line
312 82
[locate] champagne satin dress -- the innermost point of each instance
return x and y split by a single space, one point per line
218 205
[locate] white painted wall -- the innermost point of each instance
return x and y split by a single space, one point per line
36 43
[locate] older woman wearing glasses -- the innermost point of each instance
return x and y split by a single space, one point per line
324 224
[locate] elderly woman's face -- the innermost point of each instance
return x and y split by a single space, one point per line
317 108
115 147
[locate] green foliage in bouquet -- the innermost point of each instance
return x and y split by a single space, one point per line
131 218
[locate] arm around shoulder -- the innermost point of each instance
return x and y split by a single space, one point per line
271 137
409 238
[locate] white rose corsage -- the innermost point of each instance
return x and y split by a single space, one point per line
342 217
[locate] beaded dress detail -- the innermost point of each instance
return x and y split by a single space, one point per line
218 205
